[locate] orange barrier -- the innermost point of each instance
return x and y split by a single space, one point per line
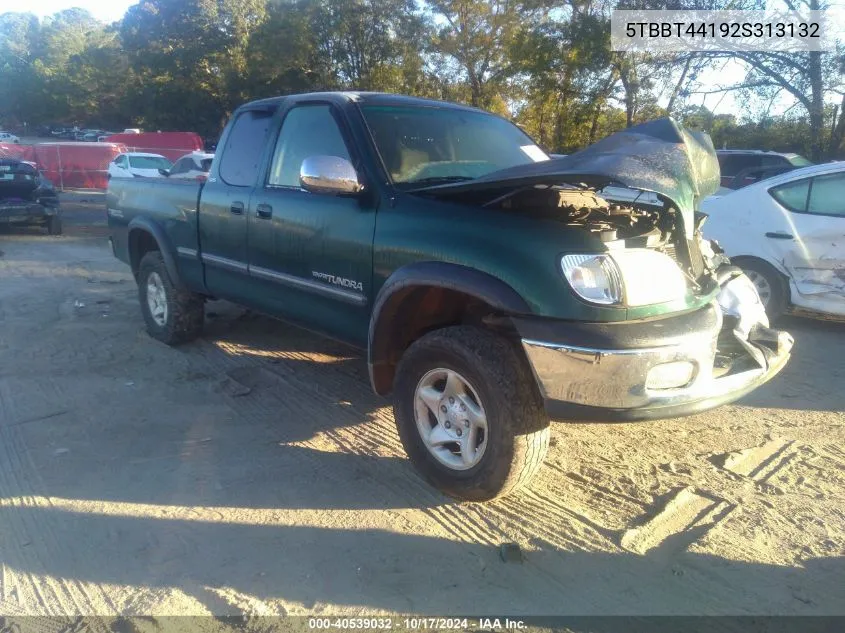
69 165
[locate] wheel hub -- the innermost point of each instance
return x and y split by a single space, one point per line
157 299
450 419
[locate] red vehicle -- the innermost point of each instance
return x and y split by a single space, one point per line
171 145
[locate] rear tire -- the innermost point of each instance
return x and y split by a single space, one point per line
771 285
466 459
54 225
173 314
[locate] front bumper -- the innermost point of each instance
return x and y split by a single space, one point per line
603 371
26 213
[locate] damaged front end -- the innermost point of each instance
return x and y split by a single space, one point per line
709 348
25 197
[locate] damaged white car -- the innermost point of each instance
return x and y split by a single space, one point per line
788 234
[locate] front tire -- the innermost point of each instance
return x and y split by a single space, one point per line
54 225
468 414
173 315
772 287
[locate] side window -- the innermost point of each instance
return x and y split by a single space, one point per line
792 195
181 166
242 154
773 160
827 195
306 131
731 164
123 161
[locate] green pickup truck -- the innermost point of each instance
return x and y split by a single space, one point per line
494 289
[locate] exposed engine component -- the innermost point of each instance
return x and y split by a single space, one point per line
637 227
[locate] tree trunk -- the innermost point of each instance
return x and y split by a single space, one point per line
677 90
816 105
628 75
838 132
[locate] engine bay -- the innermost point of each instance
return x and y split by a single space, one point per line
617 225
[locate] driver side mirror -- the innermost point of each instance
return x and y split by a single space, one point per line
329 174
164 172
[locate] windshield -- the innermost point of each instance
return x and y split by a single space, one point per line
799 161
423 145
149 162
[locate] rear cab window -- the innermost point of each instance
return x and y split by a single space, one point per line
244 149
17 171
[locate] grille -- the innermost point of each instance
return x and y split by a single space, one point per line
696 264
696 258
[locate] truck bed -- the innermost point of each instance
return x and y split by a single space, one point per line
176 204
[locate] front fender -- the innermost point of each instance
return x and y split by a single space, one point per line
469 281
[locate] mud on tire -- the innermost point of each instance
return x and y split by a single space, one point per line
185 310
517 425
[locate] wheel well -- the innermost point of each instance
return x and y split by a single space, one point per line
414 312
141 242
737 261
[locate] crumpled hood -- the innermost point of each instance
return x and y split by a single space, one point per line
658 156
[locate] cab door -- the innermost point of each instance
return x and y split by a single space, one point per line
809 238
224 206
312 253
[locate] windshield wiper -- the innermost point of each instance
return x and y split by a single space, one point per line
439 180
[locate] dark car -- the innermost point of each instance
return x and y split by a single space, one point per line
742 167
27 198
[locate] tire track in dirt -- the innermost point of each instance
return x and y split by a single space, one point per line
373 436
367 428
38 543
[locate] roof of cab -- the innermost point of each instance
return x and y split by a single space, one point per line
372 98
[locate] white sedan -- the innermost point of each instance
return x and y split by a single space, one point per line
788 234
138 164
8 137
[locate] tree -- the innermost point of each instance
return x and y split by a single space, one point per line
476 35
808 77
188 59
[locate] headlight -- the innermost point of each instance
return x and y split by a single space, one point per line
593 277
630 277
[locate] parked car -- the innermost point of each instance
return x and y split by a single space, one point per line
752 164
194 165
788 234
8 137
492 288
27 198
138 164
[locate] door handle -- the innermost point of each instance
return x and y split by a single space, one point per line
237 208
264 211
779 235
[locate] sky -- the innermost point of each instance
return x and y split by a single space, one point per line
104 10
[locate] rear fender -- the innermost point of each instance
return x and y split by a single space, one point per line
140 225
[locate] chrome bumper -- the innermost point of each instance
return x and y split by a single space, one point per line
613 383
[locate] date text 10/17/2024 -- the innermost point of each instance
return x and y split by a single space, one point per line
416 623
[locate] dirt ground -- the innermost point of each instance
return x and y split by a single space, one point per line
255 472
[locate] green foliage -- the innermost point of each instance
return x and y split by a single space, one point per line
186 64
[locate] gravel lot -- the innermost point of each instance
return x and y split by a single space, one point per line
255 472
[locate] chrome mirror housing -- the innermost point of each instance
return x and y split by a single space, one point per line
329 174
